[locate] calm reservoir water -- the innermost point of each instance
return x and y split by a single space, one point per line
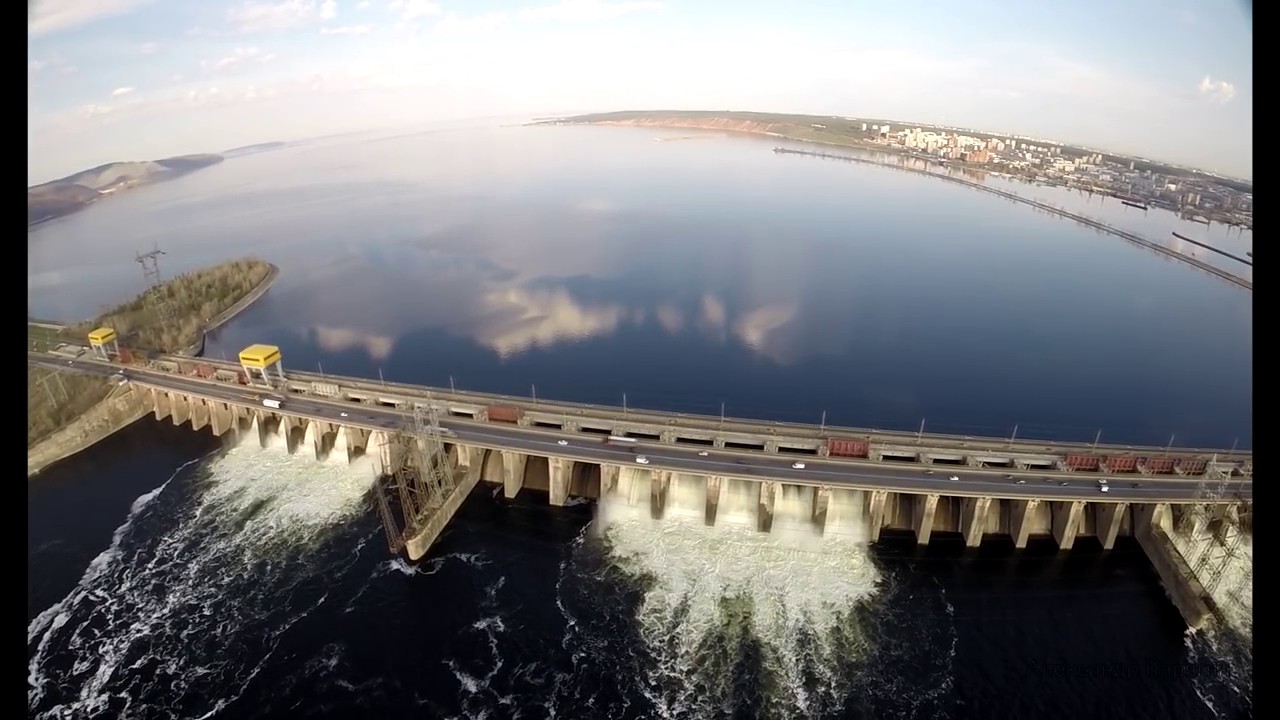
169 576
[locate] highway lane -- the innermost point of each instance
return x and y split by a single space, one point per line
686 459
703 423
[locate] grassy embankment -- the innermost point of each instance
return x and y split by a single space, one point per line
56 398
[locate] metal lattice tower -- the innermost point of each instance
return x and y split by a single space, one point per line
150 263
53 387
1231 551
433 462
422 478
395 537
156 301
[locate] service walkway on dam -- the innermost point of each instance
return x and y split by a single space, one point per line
919 483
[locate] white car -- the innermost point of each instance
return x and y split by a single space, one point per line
342 414
562 442
642 460
797 466
1104 488
954 478
1021 482
702 453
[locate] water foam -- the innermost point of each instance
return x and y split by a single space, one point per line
728 607
190 600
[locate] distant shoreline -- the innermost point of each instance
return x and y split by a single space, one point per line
1096 224
73 193
754 129
748 122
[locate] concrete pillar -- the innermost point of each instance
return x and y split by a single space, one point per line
609 478
715 484
1147 514
287 426
1020 512
180 408
1225 511
162 404
379 449
341 448
418 545
466 456
561 471
659 483
1107 518
973 519
221 419
764 515
821 502
199 414
357 438
875 512
1067 516
923 508
512 472
313 437
256 429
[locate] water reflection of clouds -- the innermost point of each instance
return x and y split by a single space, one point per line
490 297
517 319
340 339
497 308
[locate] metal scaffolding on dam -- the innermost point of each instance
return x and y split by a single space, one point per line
420 478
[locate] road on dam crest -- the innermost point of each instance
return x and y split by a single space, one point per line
661 456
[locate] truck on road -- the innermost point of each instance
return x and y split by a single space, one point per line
272 403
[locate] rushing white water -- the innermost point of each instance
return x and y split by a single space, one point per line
186 604
726 602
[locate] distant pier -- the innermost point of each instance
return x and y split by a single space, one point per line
1223 253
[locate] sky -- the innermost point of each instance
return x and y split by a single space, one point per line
116 80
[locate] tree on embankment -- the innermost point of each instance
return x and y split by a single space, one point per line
168 318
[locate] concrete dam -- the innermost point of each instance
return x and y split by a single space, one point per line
431 448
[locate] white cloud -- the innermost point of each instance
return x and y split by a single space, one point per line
588 10
260 17
91 111
566 11
148 48
238 57
36 66
347 30
122 91
50 16
411 10
362 4
1216 91
475 23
